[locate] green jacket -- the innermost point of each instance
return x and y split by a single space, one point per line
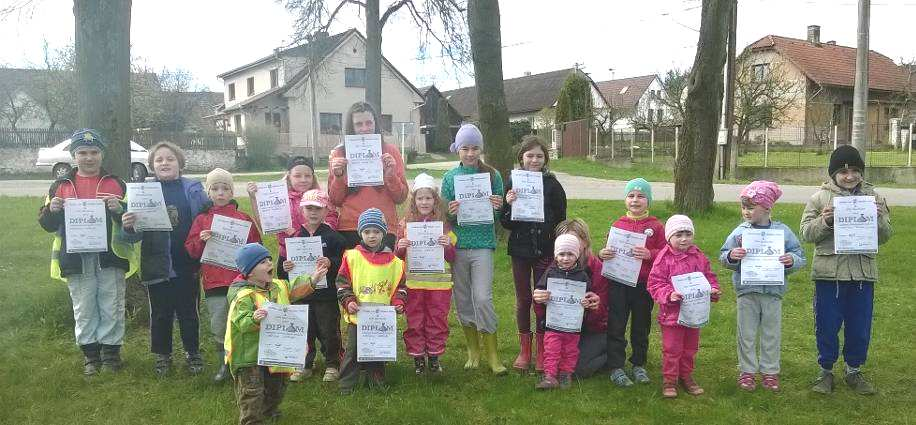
479 236
242 332
843 267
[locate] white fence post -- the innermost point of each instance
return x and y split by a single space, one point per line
834 136
652 144
766 146
677 133
909 148
633 142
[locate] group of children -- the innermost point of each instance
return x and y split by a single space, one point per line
367 266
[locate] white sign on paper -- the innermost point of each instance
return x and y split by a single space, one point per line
624 267
761 265
855 225
273 206
227 236
564 307
85 224
305 252
425 255
529 187
364 160
376 334
696 302
283 336
473 191
146 202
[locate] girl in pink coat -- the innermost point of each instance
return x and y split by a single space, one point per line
679 343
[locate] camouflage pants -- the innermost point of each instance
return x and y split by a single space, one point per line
259 394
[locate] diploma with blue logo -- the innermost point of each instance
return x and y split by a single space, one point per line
472 191
529 189
305 252
564 307
273 207
761 265
364 160
376 334
624 267
425 255
283 336
146 202
855 225
86 225
227 236
696 302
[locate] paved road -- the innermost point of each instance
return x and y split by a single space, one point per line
577 187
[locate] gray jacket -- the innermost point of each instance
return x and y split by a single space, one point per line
792 247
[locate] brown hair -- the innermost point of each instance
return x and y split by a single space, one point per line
530 142
170 146
578 227
357 108
413 214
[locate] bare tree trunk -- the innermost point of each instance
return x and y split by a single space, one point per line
693 174
373 56
732 142
103 75
486 50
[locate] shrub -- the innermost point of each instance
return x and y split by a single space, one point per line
261 146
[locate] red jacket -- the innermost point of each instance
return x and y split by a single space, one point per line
353 201
671 262
215 276
595 321
655 242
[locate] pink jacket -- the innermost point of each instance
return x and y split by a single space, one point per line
595 321
651 227
672 263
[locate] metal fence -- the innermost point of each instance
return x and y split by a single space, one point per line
31 137
218 140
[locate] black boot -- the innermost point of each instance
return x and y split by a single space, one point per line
419 365
434 366
92 361
195 363
163 364
111 357
223 367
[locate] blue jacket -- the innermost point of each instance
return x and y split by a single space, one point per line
793 248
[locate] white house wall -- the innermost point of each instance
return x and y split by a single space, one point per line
261 74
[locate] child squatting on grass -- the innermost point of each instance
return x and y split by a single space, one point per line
259 389
759 306
679 343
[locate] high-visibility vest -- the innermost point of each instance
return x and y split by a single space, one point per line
372 283
260 297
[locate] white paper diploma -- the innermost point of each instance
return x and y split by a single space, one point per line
529 187
564 307
305 252
146 202
761 265
624 267
376 334
85 225
425 255
273 207
696 302
364 160
283 336
227 236
472 191
855 225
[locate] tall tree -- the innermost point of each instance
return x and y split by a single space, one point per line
575 99
673 85
486 50
693 173
439 20
103 75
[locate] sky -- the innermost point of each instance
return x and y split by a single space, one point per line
607 38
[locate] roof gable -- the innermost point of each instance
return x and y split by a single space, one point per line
530 93
625 92
319 48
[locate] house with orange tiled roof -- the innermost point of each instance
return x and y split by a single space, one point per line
825 73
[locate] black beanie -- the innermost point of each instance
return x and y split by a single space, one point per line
299 160
845 156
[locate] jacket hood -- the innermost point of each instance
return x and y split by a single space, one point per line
865 188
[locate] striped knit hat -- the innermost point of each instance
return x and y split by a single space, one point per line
372 217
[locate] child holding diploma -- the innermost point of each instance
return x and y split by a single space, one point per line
531 243
632 302
258 389
843 283
561 345
679 343
216 279
324 313
369 274
429 294
760 306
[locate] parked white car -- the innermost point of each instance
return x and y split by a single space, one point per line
58 159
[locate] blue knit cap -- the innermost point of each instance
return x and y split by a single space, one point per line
86 137
372 217
249 256
641 185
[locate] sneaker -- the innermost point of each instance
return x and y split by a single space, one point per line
419 365
669 389
91 367
824 383
331 374
640 376
548 383
163 364
565 380
620 378
770 382
747 381
111 357
195 363
691 386
433 365
859 384
301 376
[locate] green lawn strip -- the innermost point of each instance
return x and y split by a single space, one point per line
601 170
43 365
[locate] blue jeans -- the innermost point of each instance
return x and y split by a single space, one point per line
847 304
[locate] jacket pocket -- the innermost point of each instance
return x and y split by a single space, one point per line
824 266
869 266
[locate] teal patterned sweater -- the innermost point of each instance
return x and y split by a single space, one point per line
479 236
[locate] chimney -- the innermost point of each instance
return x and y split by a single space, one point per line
527 73
814 34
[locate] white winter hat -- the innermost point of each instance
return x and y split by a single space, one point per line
424 180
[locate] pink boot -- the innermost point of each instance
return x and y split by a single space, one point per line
524 355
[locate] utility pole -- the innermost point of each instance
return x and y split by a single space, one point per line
732 144
860 95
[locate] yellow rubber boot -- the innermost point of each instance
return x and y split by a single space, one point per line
489 343
473 340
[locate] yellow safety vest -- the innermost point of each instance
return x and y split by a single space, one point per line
372 283
260 297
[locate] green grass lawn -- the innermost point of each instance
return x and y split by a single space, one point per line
43 384
601 170
815 159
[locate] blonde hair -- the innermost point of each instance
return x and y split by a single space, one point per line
179 154
577 227
413 213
